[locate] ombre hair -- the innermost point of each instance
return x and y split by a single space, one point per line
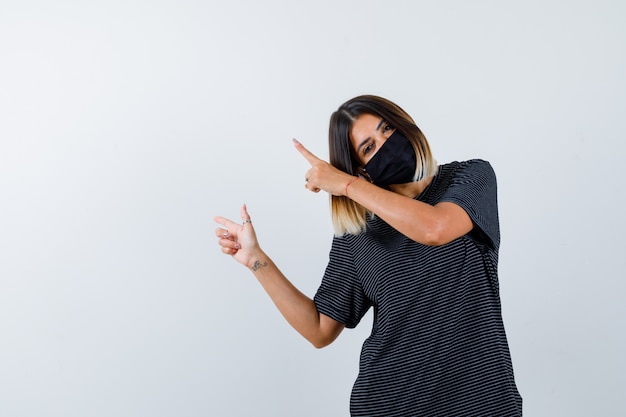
347 215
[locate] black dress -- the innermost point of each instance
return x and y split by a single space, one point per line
438 345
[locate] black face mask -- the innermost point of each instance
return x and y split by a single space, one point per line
394 163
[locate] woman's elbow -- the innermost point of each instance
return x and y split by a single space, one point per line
321 341
432 236
328 332
320 344
437 234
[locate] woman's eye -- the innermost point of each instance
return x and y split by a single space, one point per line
387 127
368 149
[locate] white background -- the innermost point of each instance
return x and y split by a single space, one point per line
126 126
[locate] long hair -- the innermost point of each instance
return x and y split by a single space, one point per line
347 215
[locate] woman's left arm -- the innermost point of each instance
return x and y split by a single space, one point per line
422 222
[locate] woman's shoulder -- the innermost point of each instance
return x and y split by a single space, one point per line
473 167
475 163
468 176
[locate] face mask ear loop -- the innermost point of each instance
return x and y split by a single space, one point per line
365 175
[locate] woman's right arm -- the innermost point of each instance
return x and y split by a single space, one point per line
239 241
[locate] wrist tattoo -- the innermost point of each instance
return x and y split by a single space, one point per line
258 265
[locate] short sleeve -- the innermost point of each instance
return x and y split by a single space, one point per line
340 295
474 188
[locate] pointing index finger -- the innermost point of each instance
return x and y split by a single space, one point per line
312 159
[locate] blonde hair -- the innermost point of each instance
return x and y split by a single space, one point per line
349 217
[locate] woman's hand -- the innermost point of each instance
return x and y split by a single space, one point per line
238 240
322 175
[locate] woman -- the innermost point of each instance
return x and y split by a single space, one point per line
417 242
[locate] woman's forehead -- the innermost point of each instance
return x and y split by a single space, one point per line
365 125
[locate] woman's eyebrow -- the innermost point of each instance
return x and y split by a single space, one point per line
380 124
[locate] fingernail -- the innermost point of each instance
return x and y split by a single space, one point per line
295 140
225 234
237 246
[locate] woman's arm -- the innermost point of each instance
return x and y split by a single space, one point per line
422 222
241 243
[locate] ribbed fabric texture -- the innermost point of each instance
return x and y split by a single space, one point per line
438 345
